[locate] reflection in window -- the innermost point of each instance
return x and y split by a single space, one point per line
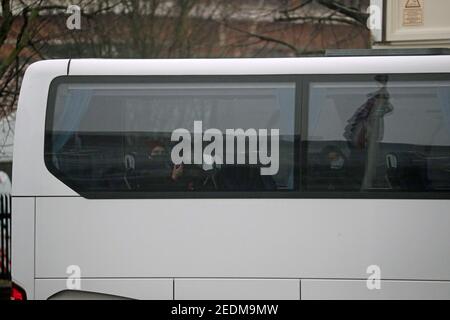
379 136
117 137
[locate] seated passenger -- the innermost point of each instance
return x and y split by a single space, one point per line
334 171
162 174
244 178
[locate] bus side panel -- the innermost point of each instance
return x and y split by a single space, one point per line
100 289
31 177
388 290
243 238
23 244
237 289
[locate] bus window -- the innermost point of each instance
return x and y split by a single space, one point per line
380 135
181 137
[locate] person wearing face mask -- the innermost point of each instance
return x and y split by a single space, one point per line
157 160
335 168
163 173
336 160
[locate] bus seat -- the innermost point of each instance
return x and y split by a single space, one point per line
405 171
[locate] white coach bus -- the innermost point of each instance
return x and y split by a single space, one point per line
296 178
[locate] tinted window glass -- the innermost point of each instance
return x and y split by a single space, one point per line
379 135
172 137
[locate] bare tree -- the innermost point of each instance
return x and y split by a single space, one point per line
26 29
147 29
303 27
36 29
348 12
19 29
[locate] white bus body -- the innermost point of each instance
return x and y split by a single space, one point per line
302 239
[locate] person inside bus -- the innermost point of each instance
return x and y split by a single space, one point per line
162 173
244 178
334 172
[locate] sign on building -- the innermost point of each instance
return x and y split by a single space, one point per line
413 23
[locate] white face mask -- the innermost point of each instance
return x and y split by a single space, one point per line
337 164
